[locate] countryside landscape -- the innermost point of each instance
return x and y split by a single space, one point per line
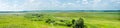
59 13
60 19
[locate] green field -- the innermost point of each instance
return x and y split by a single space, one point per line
38 20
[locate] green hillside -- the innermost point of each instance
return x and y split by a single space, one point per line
52 20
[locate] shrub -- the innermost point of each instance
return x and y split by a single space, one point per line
50 21
79 23
34 17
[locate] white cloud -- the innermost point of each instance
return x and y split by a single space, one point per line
31 0
85 2
50 4
8 6
118 2
96 4
78 1
96 1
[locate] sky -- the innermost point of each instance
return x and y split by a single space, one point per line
18 5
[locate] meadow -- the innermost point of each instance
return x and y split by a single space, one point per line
38 20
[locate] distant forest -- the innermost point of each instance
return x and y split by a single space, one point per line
60 11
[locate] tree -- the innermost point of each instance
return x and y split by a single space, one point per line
79 23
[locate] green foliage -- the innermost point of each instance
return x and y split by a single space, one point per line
60 20
79 23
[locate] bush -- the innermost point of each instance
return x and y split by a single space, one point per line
79 23
34 17
50 21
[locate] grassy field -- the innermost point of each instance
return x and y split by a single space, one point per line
32 20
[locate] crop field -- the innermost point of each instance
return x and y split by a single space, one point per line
60 19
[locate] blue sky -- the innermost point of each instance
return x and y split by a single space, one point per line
18 5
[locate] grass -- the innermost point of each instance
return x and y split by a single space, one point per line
91 19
